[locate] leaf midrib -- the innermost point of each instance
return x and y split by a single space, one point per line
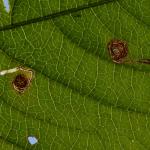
55 15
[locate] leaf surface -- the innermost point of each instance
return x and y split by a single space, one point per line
78 98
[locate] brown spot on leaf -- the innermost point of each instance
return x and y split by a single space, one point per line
22 80
118 50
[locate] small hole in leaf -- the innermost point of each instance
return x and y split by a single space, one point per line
6 4
32 140
118 50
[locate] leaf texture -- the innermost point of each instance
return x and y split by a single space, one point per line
78 98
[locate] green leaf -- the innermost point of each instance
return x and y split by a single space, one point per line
78 98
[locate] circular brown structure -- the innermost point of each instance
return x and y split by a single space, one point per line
20 83
118 50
